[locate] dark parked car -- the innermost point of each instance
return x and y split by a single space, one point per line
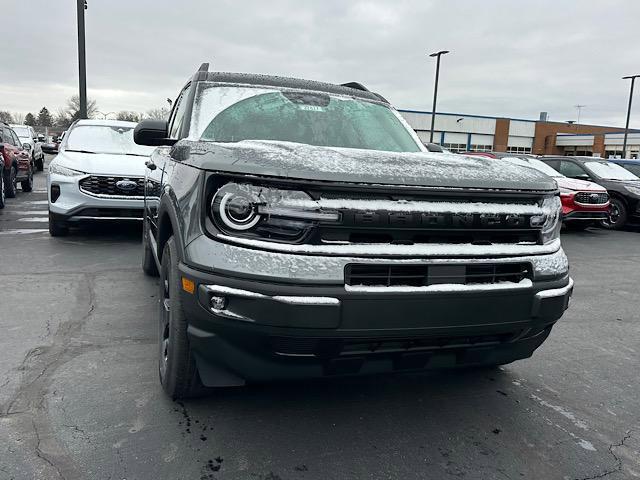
632 165
17 162
622 185
301 229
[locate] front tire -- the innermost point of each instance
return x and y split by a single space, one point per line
176 362
27 185
1 191
617 215
57 228
10 183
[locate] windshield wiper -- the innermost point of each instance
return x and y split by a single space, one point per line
79 151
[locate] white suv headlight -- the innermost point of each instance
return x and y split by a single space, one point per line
64 171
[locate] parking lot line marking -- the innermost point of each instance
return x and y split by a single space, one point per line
33 219
23 231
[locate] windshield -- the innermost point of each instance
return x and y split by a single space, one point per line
535 163
609 171
233 114
104 139
22 132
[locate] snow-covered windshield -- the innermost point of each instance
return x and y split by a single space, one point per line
609 171
105 139
535 163
236 113
22 132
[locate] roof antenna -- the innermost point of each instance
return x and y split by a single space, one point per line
204 67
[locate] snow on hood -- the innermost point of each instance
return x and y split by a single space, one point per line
577 184
103 163
294 160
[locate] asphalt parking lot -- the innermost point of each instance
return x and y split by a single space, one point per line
80 397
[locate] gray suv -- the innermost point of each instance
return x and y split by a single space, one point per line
300 229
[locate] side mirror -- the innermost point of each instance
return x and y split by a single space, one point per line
152 133
26 146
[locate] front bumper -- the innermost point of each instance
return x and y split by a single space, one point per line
73 205
297 327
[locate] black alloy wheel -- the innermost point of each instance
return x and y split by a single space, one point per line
617 215
10 182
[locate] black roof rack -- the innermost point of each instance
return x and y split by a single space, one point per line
356 85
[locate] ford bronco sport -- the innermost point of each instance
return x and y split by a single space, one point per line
301 229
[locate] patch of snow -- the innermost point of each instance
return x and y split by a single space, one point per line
418 206
23 231
587 445
426 250
327 269
562 411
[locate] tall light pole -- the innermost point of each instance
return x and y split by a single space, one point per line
626 127
435 90
82 61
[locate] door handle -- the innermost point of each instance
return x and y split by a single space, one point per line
150 165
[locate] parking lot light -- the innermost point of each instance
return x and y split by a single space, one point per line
626 127
435 90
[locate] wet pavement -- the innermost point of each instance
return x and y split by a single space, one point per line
80 398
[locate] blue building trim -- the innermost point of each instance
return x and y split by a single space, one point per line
468 141
442 138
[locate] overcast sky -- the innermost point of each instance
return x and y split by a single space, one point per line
509 58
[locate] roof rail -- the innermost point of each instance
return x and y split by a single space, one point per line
356 85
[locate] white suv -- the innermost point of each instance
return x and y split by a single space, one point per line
98 174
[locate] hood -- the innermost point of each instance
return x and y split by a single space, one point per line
308 162
579 185
103 163
28 140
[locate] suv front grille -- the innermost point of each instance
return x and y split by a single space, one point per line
592 198
103 185
425 275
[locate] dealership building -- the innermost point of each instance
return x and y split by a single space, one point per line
460 132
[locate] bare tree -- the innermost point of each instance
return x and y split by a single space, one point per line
6 117
128 116
18 117
161 113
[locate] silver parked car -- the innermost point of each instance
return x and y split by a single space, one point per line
31 143
98 174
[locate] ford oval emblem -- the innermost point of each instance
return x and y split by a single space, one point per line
126 185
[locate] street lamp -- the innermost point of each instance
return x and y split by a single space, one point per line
435 90
626 127
81 6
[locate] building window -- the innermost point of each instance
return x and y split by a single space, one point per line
481 148
455 147
578 151
518 149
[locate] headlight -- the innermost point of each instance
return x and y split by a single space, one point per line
60 170
633 190
266 212
550 220
26 146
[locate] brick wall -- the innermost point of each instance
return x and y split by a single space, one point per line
544 142
501 136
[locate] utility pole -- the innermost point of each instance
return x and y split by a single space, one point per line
435 90
626 127
82 61
579 108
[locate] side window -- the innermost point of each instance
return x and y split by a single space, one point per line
8 137
571 169
178 115
16 141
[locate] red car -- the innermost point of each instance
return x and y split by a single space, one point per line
17 162
583 203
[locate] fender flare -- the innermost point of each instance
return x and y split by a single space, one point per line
169 223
